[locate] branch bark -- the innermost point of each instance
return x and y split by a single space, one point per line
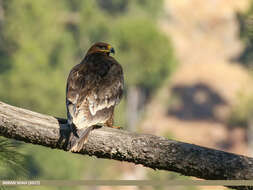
149 150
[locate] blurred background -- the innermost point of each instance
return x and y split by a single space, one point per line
187 66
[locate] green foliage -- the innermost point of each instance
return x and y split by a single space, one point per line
146 53
246 33
34 80
114 6
59 165
147 8
11 160
242 111
159 175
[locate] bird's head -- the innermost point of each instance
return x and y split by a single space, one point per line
101 47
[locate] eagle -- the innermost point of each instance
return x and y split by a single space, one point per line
94 88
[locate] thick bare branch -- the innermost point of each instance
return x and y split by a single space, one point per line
148 150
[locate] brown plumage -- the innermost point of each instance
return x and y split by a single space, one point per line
94 88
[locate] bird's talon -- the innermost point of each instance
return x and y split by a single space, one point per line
117 127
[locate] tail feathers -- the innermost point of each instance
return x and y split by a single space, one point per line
83 137
73 128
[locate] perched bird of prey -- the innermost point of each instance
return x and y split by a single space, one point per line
94 88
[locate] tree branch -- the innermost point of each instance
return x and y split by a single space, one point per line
148 150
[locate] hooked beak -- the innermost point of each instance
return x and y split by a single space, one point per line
112 50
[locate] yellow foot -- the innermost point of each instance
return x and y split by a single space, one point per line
116 127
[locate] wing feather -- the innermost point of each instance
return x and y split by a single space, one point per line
109 91
94 86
